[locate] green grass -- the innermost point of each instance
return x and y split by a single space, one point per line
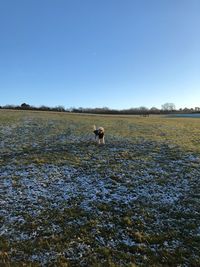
68 202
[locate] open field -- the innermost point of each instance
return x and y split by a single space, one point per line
65 201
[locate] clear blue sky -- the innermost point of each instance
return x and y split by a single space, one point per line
97 53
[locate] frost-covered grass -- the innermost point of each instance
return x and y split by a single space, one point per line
65 201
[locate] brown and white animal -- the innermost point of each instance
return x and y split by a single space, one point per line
99 134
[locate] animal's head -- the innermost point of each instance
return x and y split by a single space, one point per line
101 130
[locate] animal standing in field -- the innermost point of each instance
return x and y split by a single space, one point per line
99 134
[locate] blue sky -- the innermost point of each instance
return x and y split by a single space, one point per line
109 53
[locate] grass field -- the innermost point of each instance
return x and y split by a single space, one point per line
65 201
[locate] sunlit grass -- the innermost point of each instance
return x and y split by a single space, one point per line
183 132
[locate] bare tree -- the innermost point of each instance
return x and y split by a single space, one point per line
168 107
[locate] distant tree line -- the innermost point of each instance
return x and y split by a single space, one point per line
25 106
167 108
